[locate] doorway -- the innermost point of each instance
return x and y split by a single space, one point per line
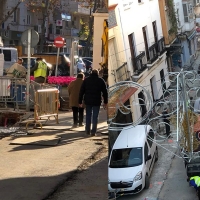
142 103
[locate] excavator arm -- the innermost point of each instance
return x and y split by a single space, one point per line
104 51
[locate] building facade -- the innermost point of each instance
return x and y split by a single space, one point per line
137 51
63 20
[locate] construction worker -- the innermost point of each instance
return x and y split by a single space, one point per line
17 70
194 181
40 71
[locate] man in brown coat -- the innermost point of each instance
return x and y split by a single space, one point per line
73 90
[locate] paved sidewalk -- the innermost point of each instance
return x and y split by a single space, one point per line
33 172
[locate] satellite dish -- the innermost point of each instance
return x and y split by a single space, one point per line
34 38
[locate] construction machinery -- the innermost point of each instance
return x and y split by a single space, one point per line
104 51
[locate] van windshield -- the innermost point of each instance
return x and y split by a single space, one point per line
128 157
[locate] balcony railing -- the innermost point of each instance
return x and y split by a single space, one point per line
122 73
140 63
161 46
156 50
153 53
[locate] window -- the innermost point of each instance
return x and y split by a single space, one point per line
155 31
28 19
142 103
113 64
129 157
150 137
7 55
188 12
131 38
16 15
146 42
112 21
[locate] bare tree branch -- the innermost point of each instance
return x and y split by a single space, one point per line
9 13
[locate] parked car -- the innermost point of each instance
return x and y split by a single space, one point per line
80 65
84 64
88 62
132 159
63 62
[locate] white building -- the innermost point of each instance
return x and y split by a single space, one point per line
137 50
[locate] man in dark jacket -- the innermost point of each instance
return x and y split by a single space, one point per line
91 93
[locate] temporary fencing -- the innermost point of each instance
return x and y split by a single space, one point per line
12 90
44 99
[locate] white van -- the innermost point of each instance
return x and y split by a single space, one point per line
132 159
10 56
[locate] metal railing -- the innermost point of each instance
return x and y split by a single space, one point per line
161 46
122 73
153 53
13 90
140 63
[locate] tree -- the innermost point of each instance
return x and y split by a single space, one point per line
44 7
4 17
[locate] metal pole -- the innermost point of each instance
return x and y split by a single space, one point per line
28 72
56 73
185 100
74 67
72 70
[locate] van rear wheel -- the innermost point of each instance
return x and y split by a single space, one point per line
147 182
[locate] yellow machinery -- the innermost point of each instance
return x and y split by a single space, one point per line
104 52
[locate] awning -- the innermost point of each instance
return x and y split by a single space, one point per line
119 97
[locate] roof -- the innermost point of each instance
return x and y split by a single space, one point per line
132 136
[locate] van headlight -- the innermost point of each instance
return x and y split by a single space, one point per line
138 176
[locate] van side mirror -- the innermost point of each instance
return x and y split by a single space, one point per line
148 157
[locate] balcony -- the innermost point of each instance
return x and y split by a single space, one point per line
153 53
161 46
122 73
140 64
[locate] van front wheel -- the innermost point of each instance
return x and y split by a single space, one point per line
147 182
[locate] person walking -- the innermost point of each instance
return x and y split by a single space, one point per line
73 90
167 122
91 92
40 71
194 181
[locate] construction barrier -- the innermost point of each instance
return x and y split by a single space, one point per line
46 105
13 90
